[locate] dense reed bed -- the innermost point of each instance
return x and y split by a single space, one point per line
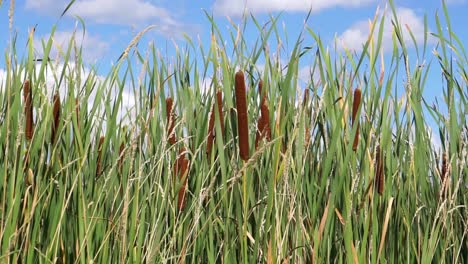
340 168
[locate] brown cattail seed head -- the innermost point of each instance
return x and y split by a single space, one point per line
170 121
306 97
181 169
266 120
99 157
356 103
379 171
121 156
219 102
28 110
263 125
444 170
77 111
211 125
29 177
241 105
56 117
259 134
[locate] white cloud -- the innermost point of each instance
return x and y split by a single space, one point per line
46 6
93 48
120 11
2 80
355 37
116 12
127 110
238 7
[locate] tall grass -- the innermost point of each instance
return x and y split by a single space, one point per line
136 186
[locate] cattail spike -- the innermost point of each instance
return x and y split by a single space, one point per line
259 133
56 117
209 143
305 99
219 97
77 111
121 156
28 110
99 157
263 125
356 103
266 120
170 120
443 175
181 169
211 125
379 171
241 105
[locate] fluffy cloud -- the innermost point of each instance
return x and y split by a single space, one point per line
121 11
116 12
126 113
355 37
238 7
92 46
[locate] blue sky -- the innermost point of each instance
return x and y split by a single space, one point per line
111 24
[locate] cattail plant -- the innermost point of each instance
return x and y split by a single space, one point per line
99 157
305 101
56 117
211 125
443 173
77 111
29 177
258 134
379 171
356 103
263 125
181 168
170 120
28 110
121 156
444 169
241 105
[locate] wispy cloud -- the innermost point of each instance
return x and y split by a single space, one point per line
354 37
238 7
93 47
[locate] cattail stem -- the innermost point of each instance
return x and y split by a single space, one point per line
356 104
241 105
170 121
28 110
56 117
